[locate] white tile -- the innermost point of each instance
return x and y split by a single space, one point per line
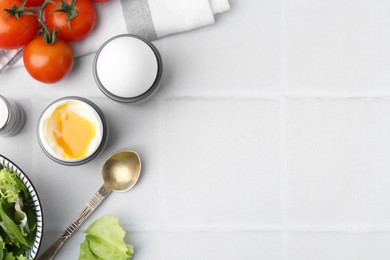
227 246
338 246
338 47
65 190
338 166
135 127
146 244
220 163
238 55
79 82
70 250
12 86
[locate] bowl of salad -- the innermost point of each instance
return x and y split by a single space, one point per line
21 219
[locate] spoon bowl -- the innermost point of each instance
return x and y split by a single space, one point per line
121 171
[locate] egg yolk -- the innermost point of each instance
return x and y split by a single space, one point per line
72 132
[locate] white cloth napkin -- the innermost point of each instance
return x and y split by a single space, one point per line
150 19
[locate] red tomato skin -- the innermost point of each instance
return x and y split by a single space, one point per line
16 33
80 27
33 3
48 63
100 1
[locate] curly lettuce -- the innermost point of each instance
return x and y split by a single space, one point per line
17 219
105 241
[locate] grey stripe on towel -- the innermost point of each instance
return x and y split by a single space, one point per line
138 18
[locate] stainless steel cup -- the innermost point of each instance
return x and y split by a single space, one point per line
15 117
118 56
82 160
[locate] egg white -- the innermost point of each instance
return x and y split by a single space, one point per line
80 108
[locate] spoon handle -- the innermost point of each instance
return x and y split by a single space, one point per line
99 196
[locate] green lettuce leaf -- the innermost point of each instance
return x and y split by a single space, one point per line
17 220
105 240
11 186
101 248
11 228
10 256
21 218
85 252
2 248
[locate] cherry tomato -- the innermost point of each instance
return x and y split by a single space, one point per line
31 3
15 33
48 63
100 1
80 26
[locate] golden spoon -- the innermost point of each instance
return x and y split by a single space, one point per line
120 173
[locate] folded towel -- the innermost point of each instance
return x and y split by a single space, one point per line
9 58
150 19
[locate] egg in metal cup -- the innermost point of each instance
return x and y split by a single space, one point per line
128 68
72 131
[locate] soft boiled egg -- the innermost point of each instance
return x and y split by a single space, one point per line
70 130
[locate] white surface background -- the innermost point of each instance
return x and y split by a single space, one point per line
269 139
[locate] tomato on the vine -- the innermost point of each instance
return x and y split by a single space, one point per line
15 32
46 62
31 3
75 21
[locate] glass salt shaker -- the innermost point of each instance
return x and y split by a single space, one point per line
12 117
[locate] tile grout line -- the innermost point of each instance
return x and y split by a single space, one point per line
161 199
283 128
283 177
161 194
276 97
262 97
353 229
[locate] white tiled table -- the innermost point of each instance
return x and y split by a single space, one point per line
269 139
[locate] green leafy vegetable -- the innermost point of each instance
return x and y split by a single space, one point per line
104 240
17 219
10 227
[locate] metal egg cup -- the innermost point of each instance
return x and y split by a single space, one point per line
102 143
148 92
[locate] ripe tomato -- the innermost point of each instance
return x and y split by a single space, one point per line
100 1
80 26
15 33
48 63
31 3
